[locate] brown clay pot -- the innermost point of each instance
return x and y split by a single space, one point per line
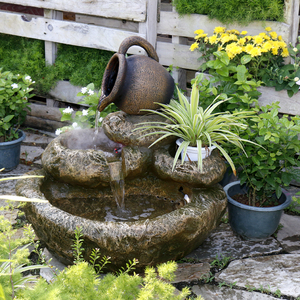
136 82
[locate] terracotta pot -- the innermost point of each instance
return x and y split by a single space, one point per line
135 82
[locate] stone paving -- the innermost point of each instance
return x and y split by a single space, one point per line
224 266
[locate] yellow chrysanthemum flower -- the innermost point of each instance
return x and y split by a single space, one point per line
244 32
273 35
201 35
194 46
233 31
258 40
267 46
219 29
213 39
285 52
206 40
220 48
233 49
199 31
275 51
242 41
268 29
248 48
279 38
255 52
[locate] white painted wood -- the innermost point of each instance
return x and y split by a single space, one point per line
288 105
51 48
65 32
172 23
151 23
295 23
178 56
111 23
134 10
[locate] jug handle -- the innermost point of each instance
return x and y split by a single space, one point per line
138 41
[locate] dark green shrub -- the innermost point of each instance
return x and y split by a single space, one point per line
233 11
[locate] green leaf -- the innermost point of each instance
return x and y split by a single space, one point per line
245 59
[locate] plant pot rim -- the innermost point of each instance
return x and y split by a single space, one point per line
19 140
286 203
180 140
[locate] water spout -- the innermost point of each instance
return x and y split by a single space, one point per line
117 183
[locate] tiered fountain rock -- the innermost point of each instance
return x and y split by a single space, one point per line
77 185
155 223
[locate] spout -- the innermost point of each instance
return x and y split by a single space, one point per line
104 101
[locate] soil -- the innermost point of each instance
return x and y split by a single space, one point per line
243 199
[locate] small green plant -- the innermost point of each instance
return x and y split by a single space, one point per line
207 278
85 118
221 261
14 94
198 127
266 170
280 226
231 11
230 285
277 293
294 207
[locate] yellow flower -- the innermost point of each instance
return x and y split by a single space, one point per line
233 31
233 49
273 35
220 48
285 52
255 52
275 51
199 31
268 29
258 40
242 41
219 29
213 39
194 46
279 38
267 46
201 35
244 32
248 48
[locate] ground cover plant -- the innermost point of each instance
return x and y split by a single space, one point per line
234 11
77 64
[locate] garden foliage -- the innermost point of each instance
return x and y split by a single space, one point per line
233 11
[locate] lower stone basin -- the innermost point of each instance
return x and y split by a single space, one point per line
171 235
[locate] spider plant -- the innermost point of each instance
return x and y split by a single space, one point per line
198 127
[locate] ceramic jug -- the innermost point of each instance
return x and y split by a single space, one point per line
135 82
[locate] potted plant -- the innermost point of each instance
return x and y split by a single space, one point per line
14 93
256 202
200 129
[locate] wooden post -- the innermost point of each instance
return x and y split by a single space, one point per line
51 48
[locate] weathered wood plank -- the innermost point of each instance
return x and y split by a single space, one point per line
44 112
172 23
134 10
65 32
41 123
288 105
178 56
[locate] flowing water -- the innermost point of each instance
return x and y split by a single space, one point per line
117 183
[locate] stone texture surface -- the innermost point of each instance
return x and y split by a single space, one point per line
38 140
168 236
214 169
289 234
223 241
189 273
276 272
212 292
30 153
136 161
120 127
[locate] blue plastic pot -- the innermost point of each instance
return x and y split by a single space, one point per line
250 222
10 152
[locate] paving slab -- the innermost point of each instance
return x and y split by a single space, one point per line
274 272
223 241
189 273
289 234
30 153
212 292
33 139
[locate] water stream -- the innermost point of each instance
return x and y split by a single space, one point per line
117 183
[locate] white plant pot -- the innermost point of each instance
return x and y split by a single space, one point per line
192 152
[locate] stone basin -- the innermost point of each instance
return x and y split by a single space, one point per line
170 236
155 226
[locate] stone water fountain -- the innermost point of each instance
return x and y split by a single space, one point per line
160 214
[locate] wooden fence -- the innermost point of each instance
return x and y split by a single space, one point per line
104 24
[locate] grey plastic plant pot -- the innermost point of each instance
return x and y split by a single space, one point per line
253 223
10 152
